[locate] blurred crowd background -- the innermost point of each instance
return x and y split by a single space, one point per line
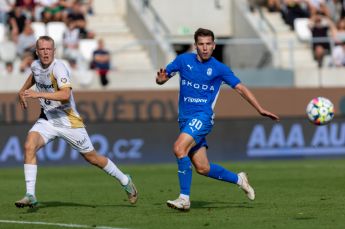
119 44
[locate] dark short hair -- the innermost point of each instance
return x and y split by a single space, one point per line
203 33
45 38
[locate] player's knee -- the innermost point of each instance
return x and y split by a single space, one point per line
29 148
30 152
202 169
179 151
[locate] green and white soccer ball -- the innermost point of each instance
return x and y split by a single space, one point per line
320 111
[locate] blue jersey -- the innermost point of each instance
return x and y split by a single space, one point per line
199 84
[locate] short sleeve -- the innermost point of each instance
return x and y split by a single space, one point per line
62 75
173 67
229 77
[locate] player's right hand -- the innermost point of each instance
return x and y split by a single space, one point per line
22 100
270 115
162 76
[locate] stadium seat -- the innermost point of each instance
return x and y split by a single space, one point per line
83 77
39 29
302 30
56 30
86 48
8 51
2 32
68 66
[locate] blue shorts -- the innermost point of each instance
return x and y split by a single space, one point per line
198 128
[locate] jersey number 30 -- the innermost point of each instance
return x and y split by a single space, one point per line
196 123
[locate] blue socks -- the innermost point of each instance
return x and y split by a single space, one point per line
220 173
184 175
216 172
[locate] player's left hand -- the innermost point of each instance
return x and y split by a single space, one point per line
31 94
22 100
270 115
162 76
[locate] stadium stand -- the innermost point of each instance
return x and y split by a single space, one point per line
55 29
131 61
8 51
140 36
86 48
293 50
302 30
2 32
39 28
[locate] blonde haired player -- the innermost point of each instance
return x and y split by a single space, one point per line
59 119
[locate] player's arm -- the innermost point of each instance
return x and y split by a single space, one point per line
162 77
63 94
30 81
249 96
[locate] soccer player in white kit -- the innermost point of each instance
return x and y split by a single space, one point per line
59 119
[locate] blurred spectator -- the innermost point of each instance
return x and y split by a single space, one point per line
333 8
9 68
76 15
28 7
52 12
26 61
273 5
90 7
49 10
338 55
319 7
5 7
67 5
87 6
101 62
17 21
342 8
71 43
293 9
338 52
320 27
338 33
26 40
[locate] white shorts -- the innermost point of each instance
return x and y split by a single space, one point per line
78 138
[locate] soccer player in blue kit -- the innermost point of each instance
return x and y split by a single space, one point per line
201 76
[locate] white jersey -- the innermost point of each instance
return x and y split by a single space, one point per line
52 79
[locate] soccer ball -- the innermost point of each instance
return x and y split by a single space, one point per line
320 111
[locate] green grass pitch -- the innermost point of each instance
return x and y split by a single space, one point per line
289 194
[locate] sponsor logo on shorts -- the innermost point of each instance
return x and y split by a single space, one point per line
81 142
